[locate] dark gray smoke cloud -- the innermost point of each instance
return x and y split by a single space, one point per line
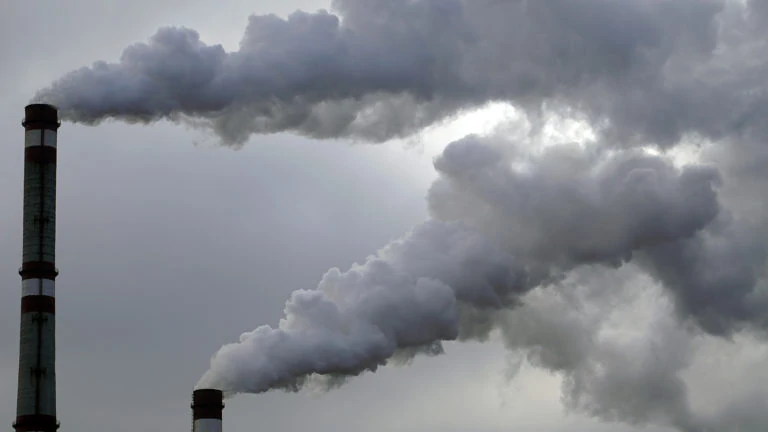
503 223
554 210
512 221
568 206
509 227
610 370
639 70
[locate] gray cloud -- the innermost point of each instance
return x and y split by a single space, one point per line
579 330
504 223
644 71
716 276
567 206
505 219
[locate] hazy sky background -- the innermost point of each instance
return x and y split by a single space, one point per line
168 249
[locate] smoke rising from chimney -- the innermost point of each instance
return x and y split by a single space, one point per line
510 217
645 71
503 223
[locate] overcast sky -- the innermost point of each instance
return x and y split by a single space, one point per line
170 246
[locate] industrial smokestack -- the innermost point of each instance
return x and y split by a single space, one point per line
36 400
207 406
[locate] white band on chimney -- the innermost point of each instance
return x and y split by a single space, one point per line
40 137
207 425
49 138
35 287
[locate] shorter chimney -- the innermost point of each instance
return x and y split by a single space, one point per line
207 405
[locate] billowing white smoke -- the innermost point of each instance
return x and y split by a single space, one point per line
644 70
506 224
510 219
495 236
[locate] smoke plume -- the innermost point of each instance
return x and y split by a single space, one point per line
640 71
530 241
504 222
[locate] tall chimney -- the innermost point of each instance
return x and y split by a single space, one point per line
207 405
36 400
